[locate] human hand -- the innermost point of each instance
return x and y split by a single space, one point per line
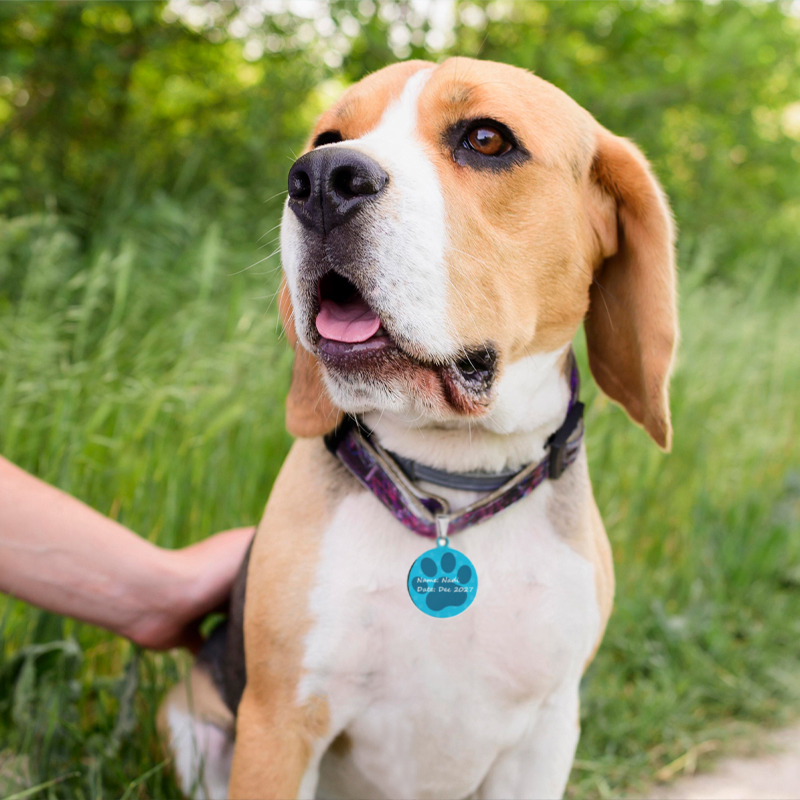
194 582
61 555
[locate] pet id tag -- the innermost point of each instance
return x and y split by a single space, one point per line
442 582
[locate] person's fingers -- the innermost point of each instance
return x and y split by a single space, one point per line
210 567
204 574
213 565
223 551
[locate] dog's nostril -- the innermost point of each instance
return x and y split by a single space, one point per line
466 366
342 181
477 363
299 185
349 181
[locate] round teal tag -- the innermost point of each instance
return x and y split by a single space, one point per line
442 582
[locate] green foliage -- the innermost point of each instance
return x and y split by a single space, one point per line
148 380
142 166
704 635
102 103
115 105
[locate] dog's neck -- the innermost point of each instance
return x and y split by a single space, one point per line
531 401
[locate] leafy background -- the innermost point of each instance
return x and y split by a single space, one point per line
143 154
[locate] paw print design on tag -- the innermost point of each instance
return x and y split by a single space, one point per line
442 582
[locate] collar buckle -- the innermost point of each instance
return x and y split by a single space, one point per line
560 439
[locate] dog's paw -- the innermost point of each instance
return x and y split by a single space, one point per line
445 585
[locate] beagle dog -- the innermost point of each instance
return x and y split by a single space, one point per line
446 231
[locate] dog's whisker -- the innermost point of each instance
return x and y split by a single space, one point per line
277 194
266 233
270 242
464 305
457 295
255 264
272 271
469 255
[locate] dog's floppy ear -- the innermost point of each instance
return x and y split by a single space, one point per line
309 409
631 327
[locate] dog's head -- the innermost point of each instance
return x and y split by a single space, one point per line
447 221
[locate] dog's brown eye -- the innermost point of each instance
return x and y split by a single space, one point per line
488 141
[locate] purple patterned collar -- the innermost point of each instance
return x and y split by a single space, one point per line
425 513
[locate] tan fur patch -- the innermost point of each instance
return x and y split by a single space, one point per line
275 734
632 325
573 513
309 409
520 263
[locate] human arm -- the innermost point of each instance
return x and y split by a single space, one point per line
61 555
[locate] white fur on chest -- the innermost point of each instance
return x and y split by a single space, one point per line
428 704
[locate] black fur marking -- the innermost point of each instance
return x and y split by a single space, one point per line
223 652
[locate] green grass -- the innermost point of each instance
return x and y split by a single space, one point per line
147 379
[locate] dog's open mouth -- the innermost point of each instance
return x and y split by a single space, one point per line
345 322
353 340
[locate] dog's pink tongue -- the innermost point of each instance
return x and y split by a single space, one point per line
352 322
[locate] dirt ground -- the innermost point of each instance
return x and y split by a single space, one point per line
773 776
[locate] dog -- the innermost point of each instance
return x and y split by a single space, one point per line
446 232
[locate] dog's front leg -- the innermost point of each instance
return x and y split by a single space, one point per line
538 767
278 747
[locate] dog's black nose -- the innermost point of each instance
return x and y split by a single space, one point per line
329 185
